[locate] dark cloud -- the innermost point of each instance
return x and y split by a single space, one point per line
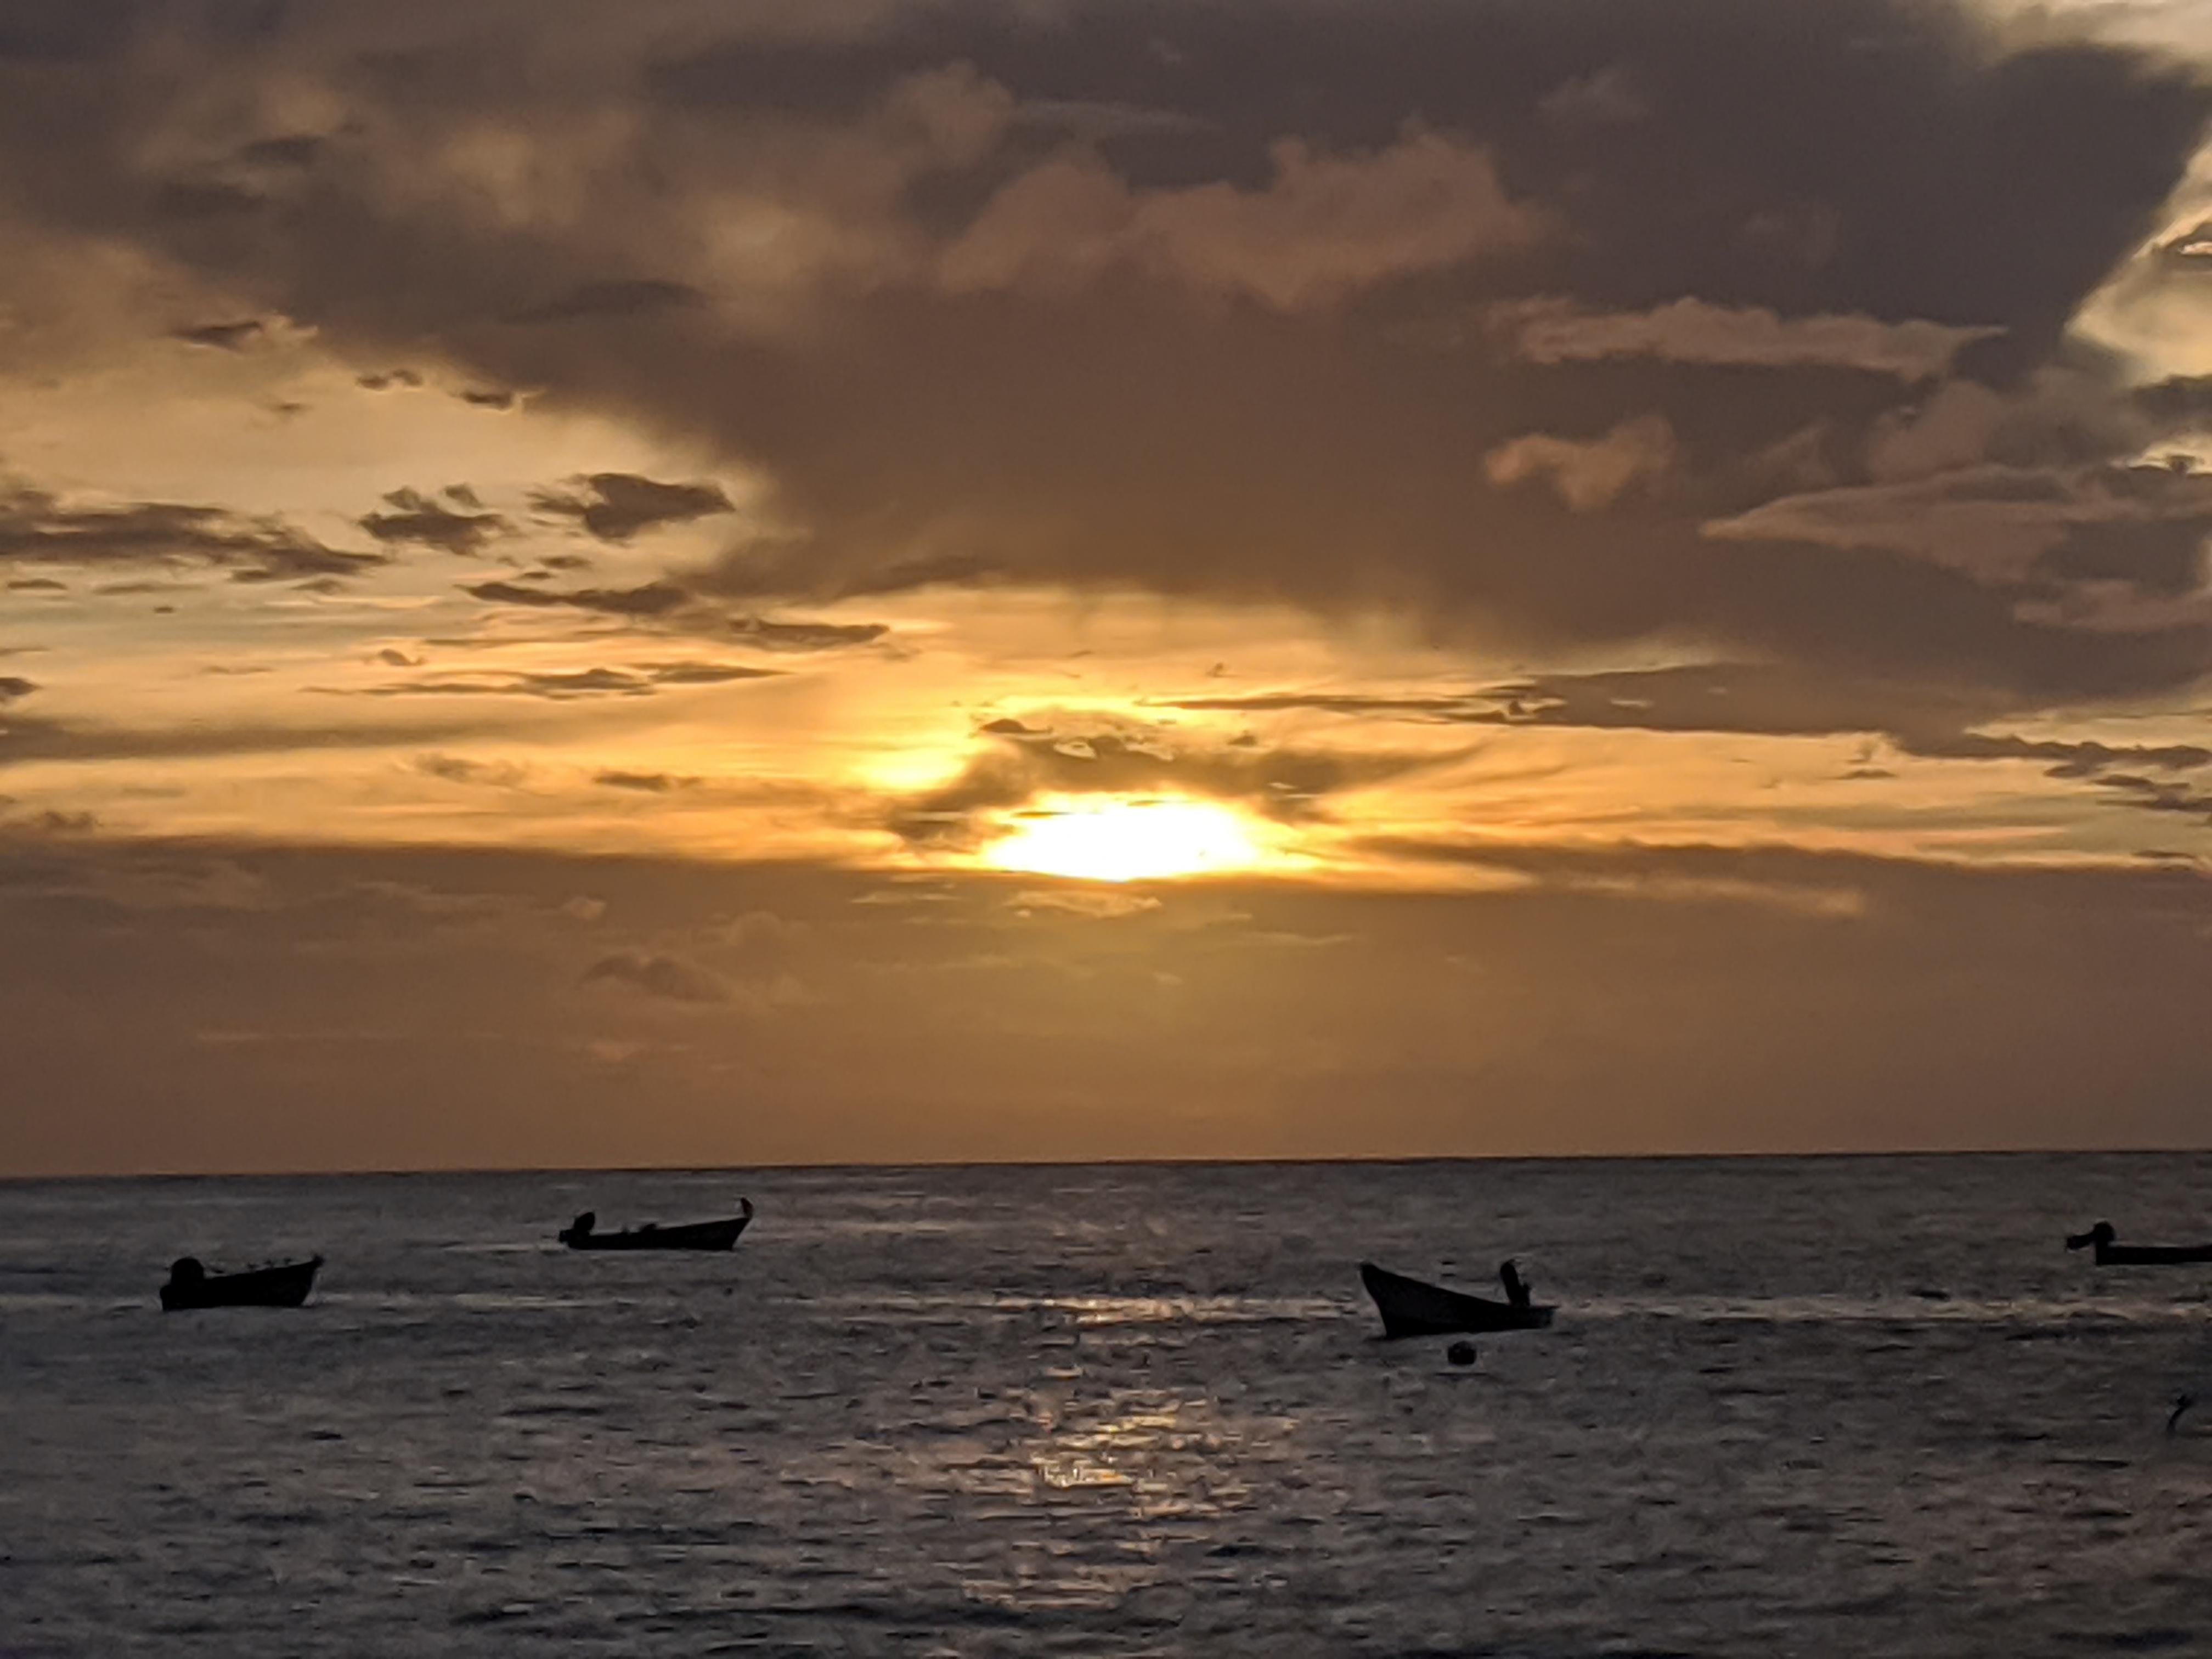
805 635
564 686
1084 756
24 739
389 380
222 336
648 783
618 298
36 527
616 505
484 397
459 769
419 518
14 687
1206 300
1926 722
656 598
297 149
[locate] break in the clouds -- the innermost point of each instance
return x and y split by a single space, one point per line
1677 460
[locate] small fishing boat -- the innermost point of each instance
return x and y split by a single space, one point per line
284 1286
2111 1253
581 1234
1411 1307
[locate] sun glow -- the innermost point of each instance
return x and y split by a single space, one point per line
1119 839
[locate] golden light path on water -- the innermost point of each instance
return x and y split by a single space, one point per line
1120 838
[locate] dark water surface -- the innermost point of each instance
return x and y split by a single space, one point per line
1850 1405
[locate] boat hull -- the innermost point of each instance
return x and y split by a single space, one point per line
1412 1307
283 1287
2111 1252
2151 1256
692 1235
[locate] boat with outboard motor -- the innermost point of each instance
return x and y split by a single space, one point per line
2103 1238
1410 1306
583 1234
285 1285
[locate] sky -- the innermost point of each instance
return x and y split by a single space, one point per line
838 581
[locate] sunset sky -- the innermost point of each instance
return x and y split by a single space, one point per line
684 582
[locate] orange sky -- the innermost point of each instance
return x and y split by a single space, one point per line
674 584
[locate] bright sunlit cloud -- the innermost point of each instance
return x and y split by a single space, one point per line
1120 839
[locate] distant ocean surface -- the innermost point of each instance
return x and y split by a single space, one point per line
1790 1407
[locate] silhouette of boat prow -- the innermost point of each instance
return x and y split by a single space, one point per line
283 1286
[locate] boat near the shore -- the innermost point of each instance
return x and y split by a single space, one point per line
2110 1253
1410 1306
583 1234
285 1285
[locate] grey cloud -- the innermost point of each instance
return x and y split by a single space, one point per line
418 519
297 149
459 769
1180 353
1931 721
656 598
25 739
2156 795
222 336
618 505
2007 526
557 686
1084 758
1690 331
626 297
768 635
36 527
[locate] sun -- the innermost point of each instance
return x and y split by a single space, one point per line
1120 838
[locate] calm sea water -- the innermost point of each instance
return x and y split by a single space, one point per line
1823 1407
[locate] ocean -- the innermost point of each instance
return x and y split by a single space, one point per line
1790 1406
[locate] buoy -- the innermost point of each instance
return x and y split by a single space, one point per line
1461 1353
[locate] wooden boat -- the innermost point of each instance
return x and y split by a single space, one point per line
580 1234
284 1286
2112 1255
1411 1307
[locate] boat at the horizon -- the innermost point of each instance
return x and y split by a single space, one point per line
2110 1253
1411 1307
581 1234
285 1285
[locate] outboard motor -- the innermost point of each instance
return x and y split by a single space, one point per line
1516 1291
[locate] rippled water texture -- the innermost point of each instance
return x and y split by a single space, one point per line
1827 1406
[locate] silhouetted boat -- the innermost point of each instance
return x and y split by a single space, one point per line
191 1286
1411 1307
579 1235
2112 1255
